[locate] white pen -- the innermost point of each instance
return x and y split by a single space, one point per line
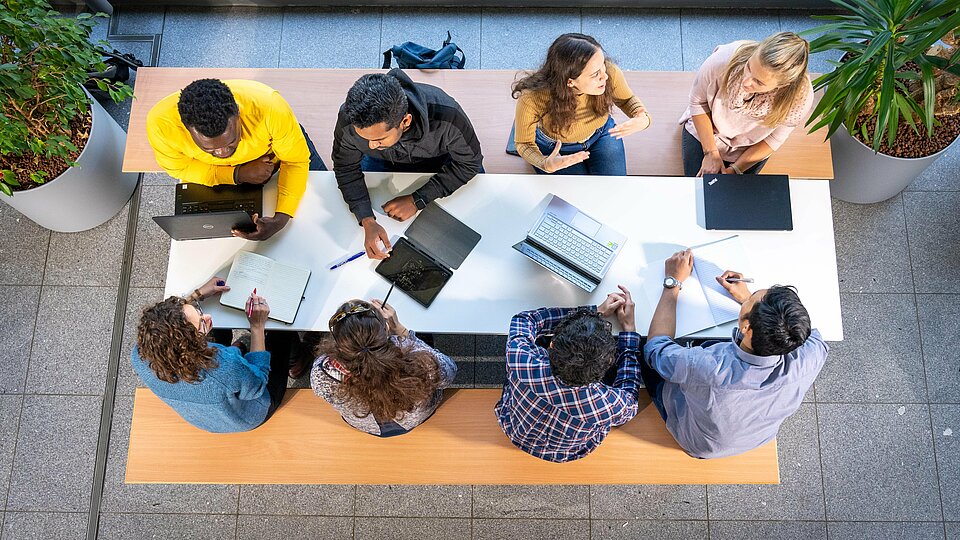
739 280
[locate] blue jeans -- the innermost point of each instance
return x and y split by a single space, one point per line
316 162
693 155
607 157
654 384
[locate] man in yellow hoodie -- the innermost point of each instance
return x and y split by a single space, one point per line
234 132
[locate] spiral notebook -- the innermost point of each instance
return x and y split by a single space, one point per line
281 285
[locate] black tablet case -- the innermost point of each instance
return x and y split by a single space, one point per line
753 202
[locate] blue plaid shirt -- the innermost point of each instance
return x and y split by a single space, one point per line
549 419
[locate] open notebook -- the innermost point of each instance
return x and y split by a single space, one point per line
703 302
281 285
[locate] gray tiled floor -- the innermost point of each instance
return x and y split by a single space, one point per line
874 454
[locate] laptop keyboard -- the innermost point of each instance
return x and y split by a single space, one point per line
227 206
556 267
572 244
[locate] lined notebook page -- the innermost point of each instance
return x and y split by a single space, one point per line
713 260
693 310
282 285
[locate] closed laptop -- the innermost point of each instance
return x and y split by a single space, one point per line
749 202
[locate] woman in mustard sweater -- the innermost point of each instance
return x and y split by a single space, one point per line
563 121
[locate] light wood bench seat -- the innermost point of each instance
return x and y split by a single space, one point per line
316 96
306 442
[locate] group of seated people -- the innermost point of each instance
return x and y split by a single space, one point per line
568 379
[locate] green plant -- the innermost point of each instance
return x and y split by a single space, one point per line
901 61
44 60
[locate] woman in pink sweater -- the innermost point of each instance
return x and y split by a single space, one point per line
746 99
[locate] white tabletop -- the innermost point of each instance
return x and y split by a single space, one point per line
658 215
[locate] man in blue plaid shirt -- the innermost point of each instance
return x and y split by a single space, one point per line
554 404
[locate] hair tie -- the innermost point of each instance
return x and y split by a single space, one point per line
365 349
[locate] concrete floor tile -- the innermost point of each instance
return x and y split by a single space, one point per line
428 27
71 344
939 328
194 527
879 359
151 252
44 526
414 501
139 21
878 463
519 38
952 530
19 313
491 345
934 240
307 31
91 258
704 29
550 502
946 441
872 254
56 446
799 496
137 299
9 423
622 529
524 529
762 530
155 498
411 528
942 175
638 39
327 500
459 345
159 179
798 21
648 502
221 37
294 528
887 531
23 248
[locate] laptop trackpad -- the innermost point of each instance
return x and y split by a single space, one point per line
585 224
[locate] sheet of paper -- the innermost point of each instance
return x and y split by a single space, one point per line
713 260
693 311
280 284
285 287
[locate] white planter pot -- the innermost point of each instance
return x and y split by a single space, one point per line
864 177
89 193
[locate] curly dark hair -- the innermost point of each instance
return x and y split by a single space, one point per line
206 105
385 379
567 57
583 348
779 321
375 98
172 347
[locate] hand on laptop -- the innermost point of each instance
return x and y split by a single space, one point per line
738 290
401 208
373 232
555 161
266 227
257 171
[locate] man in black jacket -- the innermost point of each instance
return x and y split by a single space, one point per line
390 123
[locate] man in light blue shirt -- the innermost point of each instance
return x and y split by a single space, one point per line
725 398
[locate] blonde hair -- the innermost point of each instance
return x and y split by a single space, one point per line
784 53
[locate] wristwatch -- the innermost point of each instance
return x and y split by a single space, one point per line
418 200
671 282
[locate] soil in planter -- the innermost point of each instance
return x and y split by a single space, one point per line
909 144
23 165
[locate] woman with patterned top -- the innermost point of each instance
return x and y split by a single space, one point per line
376 373
563 121
746 99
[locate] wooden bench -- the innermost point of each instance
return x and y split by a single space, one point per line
306 442
316 96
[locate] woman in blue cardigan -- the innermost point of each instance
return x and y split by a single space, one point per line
216 388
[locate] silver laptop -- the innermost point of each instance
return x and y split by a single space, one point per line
572 244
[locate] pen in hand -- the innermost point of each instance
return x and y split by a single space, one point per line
388 293
250 304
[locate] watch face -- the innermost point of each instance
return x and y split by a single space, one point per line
669 282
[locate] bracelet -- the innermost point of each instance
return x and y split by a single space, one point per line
236 171
198 294
735 168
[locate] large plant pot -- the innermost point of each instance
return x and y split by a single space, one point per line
89 193
864 177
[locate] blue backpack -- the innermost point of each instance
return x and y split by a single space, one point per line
410 55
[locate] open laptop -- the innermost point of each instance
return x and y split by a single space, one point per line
212 212
572 244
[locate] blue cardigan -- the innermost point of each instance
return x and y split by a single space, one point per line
229 398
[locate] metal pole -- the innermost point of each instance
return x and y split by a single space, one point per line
100 5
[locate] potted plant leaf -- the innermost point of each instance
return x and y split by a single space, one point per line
60 152
895 91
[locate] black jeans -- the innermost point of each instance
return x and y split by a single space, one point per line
316 162
693 156
279 343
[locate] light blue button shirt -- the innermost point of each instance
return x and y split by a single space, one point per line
721 400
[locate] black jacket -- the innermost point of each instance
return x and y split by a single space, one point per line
439 127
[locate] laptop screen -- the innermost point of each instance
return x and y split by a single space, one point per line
413 272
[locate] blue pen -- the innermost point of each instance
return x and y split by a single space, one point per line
353 257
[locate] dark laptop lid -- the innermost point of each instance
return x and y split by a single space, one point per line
204 225
414 272
195 198
759 202
442 236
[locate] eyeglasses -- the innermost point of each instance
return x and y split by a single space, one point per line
203 324
341 315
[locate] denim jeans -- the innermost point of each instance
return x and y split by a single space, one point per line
606 153
654 383
316 162
693 156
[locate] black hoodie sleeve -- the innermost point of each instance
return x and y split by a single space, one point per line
346 166
461 142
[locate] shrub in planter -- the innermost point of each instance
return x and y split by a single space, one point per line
896 90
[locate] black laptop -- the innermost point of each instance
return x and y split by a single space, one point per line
748 202
212 212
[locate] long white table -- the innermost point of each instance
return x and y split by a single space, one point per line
658 215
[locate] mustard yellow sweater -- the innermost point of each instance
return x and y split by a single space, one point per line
532 112
267 124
